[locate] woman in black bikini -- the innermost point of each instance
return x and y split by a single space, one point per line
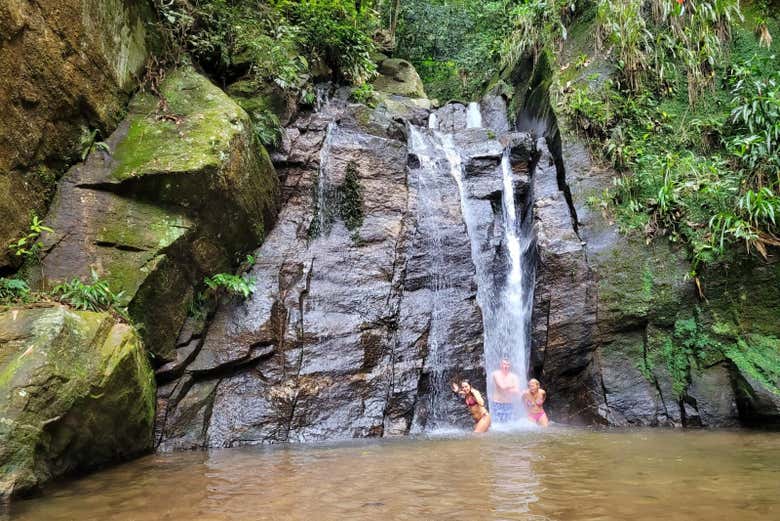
476 405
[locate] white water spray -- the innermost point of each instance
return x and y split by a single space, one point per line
473 116
433 122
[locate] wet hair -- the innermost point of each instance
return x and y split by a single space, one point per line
464 382
532 380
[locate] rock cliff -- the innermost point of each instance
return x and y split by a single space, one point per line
622 335
175 195
67 67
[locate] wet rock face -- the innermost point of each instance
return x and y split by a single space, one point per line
167 203
364 305
66 67
76 392
608 309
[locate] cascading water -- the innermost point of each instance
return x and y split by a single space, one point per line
430 197
506 298
323 209
473 116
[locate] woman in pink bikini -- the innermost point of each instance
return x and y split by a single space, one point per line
476 404
533 398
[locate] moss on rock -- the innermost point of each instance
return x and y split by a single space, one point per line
177 196
399 77
76 391
65 66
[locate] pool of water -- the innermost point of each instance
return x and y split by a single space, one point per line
560 474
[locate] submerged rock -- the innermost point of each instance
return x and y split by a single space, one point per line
179 189
76 392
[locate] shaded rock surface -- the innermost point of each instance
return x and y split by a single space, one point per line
174 197
66 67
76 392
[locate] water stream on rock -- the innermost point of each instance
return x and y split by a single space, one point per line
323 201
504 288
473 116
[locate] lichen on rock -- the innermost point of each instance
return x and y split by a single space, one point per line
76 392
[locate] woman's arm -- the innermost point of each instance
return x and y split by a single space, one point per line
478 397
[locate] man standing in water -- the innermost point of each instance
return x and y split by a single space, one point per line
506 389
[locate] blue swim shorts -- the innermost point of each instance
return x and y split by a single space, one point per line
502 412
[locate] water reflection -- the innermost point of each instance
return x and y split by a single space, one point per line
533 475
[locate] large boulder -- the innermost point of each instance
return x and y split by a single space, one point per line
66 66
399 77
76 391
179 189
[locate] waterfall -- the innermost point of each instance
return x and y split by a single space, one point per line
433 122
323 210
473 116
505 298
321 95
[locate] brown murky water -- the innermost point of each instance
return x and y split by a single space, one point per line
557 475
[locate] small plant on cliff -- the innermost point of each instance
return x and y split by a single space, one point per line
363 94
351 200
267 127
29 246
241 285
13 290
94 296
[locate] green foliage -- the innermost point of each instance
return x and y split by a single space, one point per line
755 136
456 46
13 290
29 245
336 33
535 25
622 27
351 199
242 285
94 296
280 41
267 127
363 94
700 170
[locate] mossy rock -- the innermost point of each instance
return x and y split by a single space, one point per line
399 77
257 101
179 194
638 283
65 67
76 392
